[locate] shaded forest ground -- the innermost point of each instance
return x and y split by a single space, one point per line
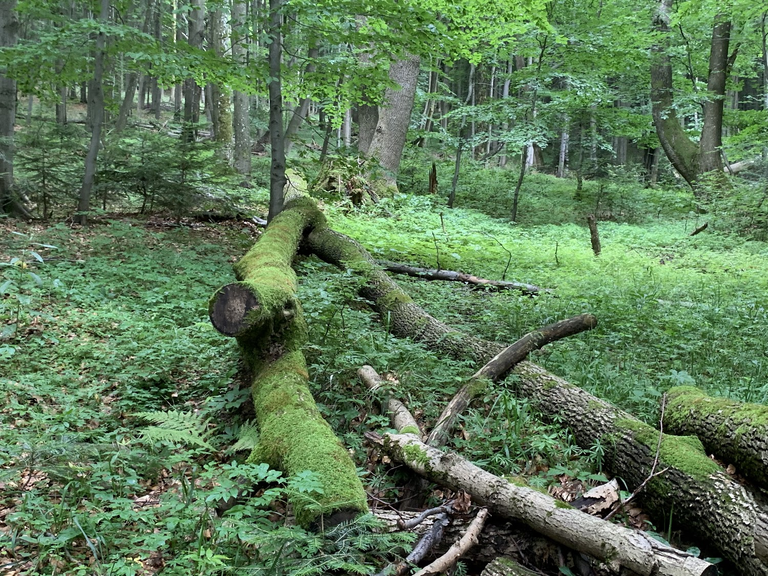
113 327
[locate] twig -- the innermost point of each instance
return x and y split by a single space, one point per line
509 259
653 473
437 250
459 548
413 522
427 542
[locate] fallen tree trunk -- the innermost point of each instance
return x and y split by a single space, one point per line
453 276
735 432
618 546
714 506
263 312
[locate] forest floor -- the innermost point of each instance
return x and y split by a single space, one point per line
124 415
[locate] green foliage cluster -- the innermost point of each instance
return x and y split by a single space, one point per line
139 171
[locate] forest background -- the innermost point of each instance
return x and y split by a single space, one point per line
139 139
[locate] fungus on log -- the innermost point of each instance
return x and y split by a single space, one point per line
713 505
735 432
263 312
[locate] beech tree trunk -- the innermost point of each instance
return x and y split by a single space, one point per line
735 432
394 117
191 90
241 121
293 436
300 112
276 135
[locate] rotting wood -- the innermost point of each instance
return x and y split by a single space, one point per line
507 567
735 432
453 276
714 506
700 229
594 235
459 548
617 546
499 366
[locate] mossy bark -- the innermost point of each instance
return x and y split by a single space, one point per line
262 310
705 499
735 432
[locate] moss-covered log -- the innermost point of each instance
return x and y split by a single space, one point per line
708 502
262 310
735 432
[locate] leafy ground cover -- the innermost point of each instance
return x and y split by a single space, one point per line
125 419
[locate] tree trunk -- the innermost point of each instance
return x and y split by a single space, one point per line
9 29
276 137
715 507
241 121
619 547
735 432
691 160
96 102
393 120
562 159
300 112
191 89
519 185
293 436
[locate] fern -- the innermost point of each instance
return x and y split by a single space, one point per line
177 427
247 438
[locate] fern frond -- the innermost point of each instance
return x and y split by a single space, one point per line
247 438
178 427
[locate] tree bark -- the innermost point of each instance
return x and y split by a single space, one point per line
594 235
715 507
452 276
276 136
9 30
195 34
690 159
507 567
96 101
300 112
241 122
618 546
393 119
293 436
735 432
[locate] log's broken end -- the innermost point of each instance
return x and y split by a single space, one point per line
230 309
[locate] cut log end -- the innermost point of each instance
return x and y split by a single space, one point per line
230 308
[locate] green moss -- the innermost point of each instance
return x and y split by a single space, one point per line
393 298
294 437
477 386
415 454
686 453
561 504
410 430
683 400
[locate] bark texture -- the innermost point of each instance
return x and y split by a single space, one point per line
507 567
735 432
618 546
241 123
394 117
276 136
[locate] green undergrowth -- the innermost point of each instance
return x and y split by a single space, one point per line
127 424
